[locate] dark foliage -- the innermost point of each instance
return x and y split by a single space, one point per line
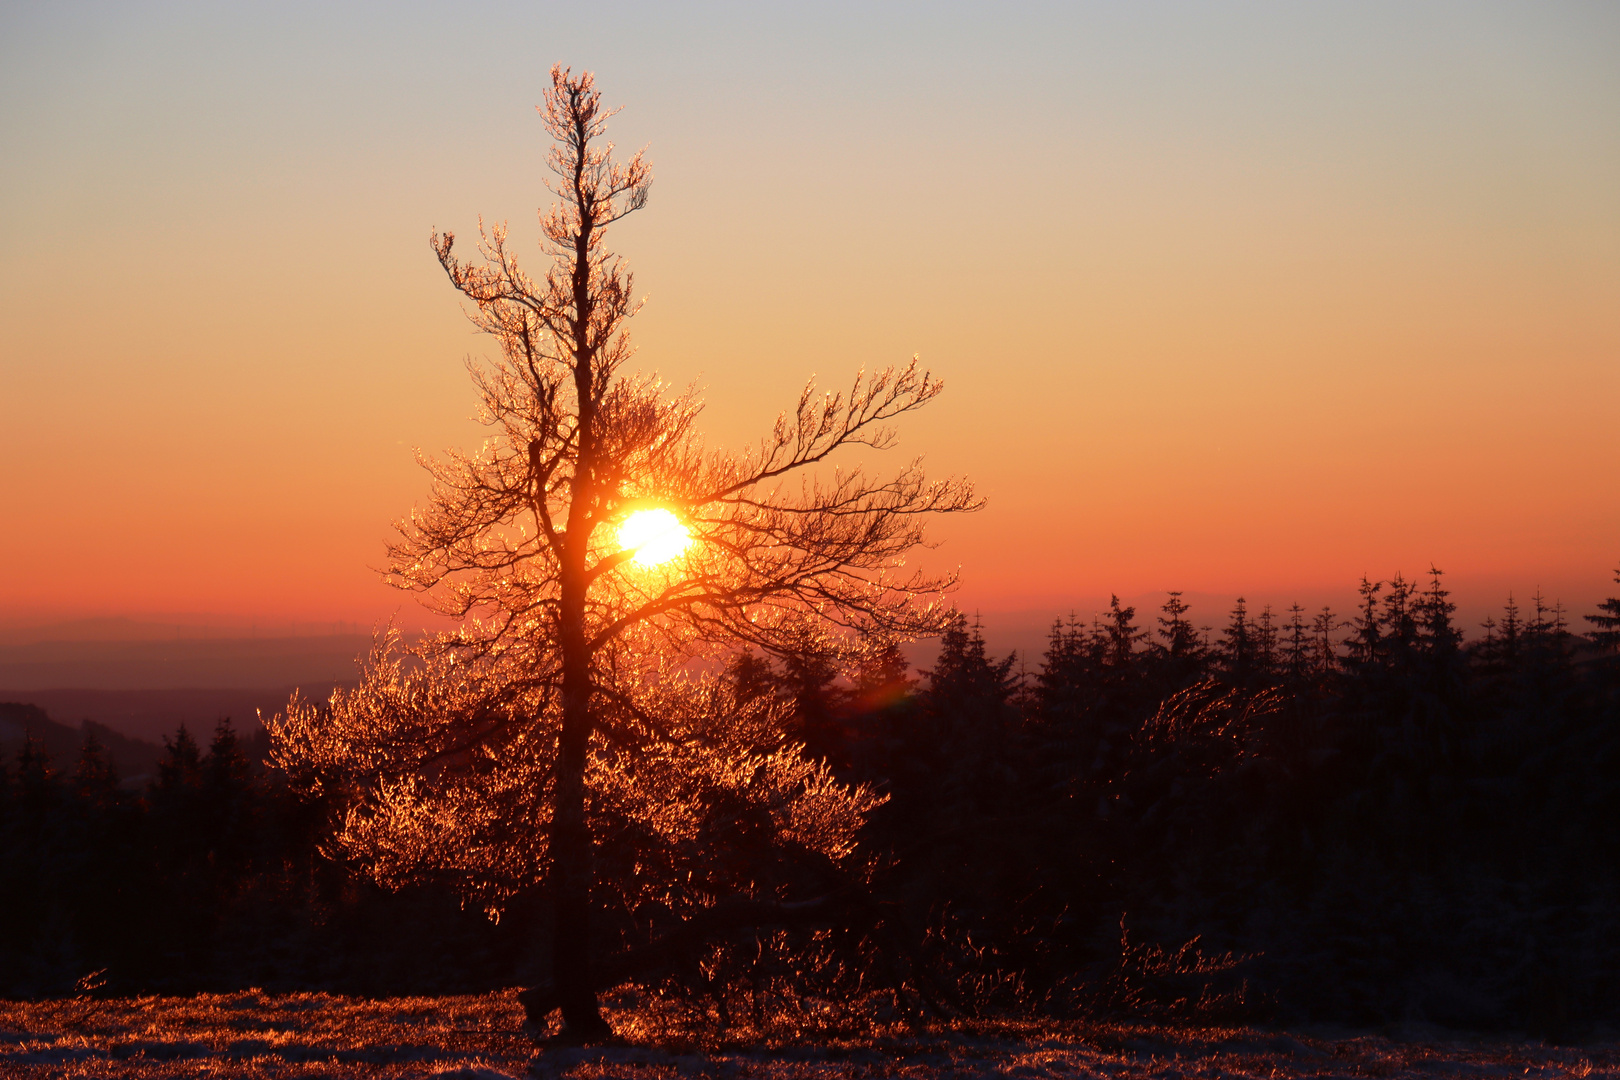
1381 826
208 877
1307 817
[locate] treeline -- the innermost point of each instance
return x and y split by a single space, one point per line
1361 818
208 877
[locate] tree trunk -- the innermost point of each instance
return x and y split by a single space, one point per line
570 837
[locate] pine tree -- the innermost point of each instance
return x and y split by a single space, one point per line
180 770
1397 621
226 802
1607 634
880 678
1489 648
1540 626
1122 635
1439 638
1299 648
1366 644
1512 632
95 780
1546 637
751 675
225 772
1237 648
38 788
1323 627
1066 671
964 672
180 826
1265 645
809 671
1180 640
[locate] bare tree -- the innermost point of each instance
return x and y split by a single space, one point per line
557 611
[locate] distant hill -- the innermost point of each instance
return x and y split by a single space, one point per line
152 714
141 680
133 758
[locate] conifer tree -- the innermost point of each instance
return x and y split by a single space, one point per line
1323 626
38 789
1489 647
880 677
180 770
182 831
1122 635
1064 669
225 769
1511 632
1179 638
1365 645
751 675
964 672
226 790
1237 648
1440 638
95 781
1298 648
1540 626
1607 621
1265 644
1397 623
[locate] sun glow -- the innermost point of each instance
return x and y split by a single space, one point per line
656 536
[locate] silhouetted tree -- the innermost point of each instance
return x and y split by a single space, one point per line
809 671
1397 619
1297 647
880 680
542 697
226 798
1265 645
1179 641
180 771
1237 646
1434 610
95 781
1123 636
1428 832
751 675
1365 645
1066 667
964 671
1323 626
1607 634
1511 631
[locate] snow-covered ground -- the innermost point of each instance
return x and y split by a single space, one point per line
253 1034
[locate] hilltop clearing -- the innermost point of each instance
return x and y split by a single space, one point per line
251 1034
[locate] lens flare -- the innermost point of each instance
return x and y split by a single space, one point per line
656 536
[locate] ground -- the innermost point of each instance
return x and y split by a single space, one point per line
252 1034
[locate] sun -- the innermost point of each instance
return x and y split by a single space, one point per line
656 536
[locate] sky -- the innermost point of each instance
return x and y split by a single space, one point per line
1239 299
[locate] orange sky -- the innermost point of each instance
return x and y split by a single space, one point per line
1252 301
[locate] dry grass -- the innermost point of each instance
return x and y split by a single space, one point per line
253 1034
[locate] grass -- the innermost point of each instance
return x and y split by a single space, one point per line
253 1034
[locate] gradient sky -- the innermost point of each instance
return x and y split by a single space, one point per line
1239 298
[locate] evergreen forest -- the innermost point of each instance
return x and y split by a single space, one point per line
1357 817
